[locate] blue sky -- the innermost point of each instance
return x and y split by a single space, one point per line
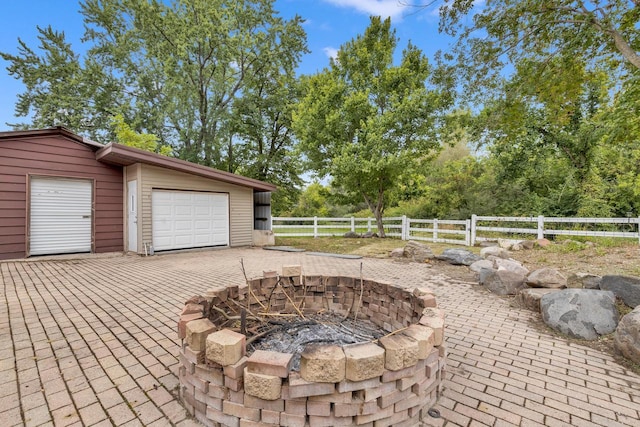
329 24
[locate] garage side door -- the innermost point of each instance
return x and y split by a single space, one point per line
189 219
60 216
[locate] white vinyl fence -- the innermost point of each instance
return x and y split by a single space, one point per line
541 226
462 232
432 230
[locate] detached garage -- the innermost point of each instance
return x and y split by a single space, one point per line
174 204
60 193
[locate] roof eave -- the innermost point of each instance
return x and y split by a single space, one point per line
124 156
53 131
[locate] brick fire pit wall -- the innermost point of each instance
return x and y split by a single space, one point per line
390 382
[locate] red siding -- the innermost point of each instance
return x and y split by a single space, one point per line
56 156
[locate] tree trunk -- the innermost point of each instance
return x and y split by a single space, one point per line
378 214
377 209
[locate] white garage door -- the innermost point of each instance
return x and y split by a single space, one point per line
189 219
60 212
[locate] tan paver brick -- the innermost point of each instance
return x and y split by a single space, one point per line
147 413
173 411
526 414
461 398
475 414
109 398
500 414
58 400
501 423
65 416
92 414
483 397
37 416
505 395
120 414
160 396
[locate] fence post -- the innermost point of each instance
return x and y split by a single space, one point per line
315 227
467 233
540 227
369 224
472 237
353 224
403 229
638 229
435 230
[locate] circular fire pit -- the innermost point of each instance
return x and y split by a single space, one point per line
391 377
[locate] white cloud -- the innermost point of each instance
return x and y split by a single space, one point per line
383 8
331 52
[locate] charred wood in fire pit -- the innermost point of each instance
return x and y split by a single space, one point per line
295 335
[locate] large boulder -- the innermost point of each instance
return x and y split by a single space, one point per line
626 288
543 243
627 337
507 243
397 253
484 274
583 281
527 244
511 265
487 243
546 278
458 256
495 251
502 282
530 297
418 252
483 264
580 313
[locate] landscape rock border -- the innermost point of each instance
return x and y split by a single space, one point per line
504 276
627 337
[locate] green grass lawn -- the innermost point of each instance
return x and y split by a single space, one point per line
374 247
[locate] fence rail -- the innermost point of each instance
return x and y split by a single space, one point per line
586 227
462 232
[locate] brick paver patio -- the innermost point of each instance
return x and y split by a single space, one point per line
92 342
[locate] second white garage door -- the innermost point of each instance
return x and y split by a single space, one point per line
189 219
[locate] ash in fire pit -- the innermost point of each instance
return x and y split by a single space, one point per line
324 328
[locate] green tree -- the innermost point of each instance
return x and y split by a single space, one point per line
364 120
144 141
556 85
262 144
188 62
60 88
313 201
550 42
